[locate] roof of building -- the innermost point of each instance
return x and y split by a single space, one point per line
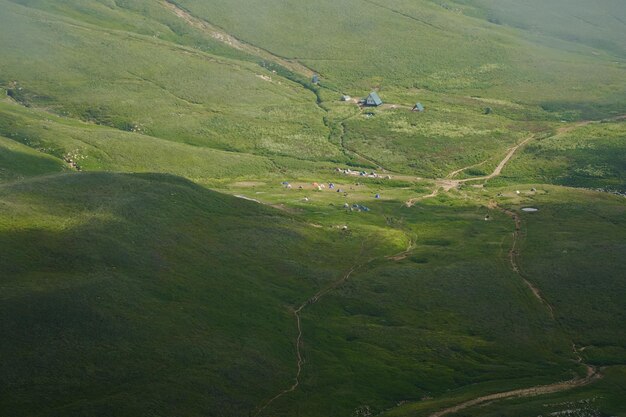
374 97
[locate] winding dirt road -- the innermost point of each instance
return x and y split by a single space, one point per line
312 300
513 256
502 163
592 372
592 375
447 183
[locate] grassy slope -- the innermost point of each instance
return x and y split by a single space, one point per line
93 147
125 294
432 143
600 27
592 156
146 272
582 237
603 398
19 161
441 319
417 44
135 82
571 250
160 297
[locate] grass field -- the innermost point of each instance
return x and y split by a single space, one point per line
106 273
168 248
166 90
591 156
421 44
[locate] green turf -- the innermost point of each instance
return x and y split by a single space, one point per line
138 83
115 286
359 44
20 161
147 284
591 156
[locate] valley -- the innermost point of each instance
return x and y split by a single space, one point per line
194 222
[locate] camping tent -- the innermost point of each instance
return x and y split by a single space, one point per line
418 107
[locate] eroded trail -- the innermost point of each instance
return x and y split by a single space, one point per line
514 254
412 201
592 375
592 372
299 339
458 171
224 37
513 257
502 163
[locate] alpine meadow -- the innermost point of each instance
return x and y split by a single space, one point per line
288 208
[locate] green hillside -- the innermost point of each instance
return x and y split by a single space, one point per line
423 45
593 156
137 83
115 286
190 226
602 27
19 161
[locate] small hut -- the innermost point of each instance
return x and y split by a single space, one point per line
315 79
373 99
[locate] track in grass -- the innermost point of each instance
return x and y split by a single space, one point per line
592 375
514 254
299 339
226 38
592 372
448 183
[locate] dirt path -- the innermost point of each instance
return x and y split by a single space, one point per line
502 163
412 201
592 372
222 36
312 300
514 255
592 375
447 183
299 339
458 171
346 150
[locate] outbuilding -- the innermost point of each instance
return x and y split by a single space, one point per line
373 99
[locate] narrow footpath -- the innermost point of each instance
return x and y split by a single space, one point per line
299 339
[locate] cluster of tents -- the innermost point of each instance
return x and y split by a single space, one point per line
356 207
331 186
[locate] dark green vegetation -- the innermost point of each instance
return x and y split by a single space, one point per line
142 286
138 294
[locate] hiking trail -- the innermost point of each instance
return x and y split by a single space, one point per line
299 339
592 375
448 183
222 36
514 254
